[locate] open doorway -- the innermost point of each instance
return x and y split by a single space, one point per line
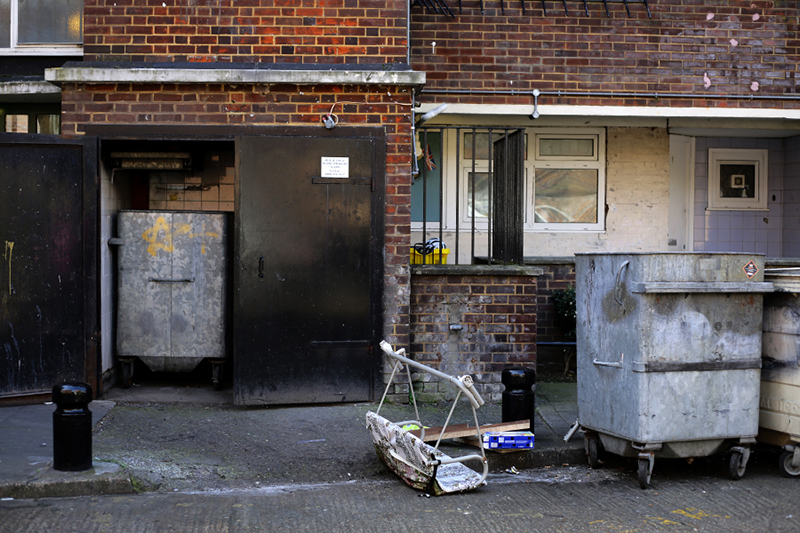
165 205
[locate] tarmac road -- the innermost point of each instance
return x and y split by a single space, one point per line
682 497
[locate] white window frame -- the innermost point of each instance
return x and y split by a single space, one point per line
34 49
759 160
595 162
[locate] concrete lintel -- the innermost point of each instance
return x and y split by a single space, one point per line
187 75
584 111
14 88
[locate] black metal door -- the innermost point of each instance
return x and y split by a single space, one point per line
48 292
508 212
308 276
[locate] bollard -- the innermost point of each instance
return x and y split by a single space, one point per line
72 427
518 398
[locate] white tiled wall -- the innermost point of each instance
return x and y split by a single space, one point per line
749 231
209 189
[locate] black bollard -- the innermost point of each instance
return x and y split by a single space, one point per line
72 427
518 398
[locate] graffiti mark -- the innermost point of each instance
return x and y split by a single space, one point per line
9 251
697 514
662 520
161 236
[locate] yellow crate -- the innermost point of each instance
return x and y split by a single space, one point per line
437 257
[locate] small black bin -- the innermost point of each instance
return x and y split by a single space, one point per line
518 396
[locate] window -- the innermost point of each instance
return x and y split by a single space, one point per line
426 189
568 186
569 182
737 179
41 27
476 172
30 119
563 180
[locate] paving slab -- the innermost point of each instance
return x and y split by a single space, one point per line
164 438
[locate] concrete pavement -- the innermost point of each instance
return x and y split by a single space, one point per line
189 438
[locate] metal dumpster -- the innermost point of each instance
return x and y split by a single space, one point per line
669 355
172 283
779 405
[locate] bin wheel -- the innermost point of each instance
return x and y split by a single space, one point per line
644 472
785 465
127 374
592 446
737 465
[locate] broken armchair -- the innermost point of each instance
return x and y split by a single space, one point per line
420 465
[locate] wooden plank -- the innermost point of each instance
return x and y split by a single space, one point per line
465 430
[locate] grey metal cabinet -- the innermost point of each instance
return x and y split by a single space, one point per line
172 282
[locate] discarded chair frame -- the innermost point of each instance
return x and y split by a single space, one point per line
418 464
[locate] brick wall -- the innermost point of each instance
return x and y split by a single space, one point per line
496 312
208 104
554 277
282 31
693 47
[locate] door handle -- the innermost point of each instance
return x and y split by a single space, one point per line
261 267
613 364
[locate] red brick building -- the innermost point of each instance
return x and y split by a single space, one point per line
631 115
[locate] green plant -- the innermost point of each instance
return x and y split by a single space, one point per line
565 311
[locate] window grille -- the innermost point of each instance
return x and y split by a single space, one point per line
555 7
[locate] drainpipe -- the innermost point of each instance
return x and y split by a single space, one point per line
408 33
414 167
414 123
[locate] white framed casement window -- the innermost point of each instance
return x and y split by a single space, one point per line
737 179
564 179
476 158
41 27
568 190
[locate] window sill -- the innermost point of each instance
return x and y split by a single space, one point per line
43 51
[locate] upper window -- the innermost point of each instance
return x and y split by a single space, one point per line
737 179
43 27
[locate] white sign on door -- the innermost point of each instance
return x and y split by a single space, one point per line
335 167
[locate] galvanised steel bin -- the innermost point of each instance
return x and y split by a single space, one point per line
779 414
172 282
669 354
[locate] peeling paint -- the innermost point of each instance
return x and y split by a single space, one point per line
152 235
7 254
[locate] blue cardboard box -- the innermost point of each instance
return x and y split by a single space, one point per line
508 440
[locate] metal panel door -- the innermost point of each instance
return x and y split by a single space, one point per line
48 281
308 275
